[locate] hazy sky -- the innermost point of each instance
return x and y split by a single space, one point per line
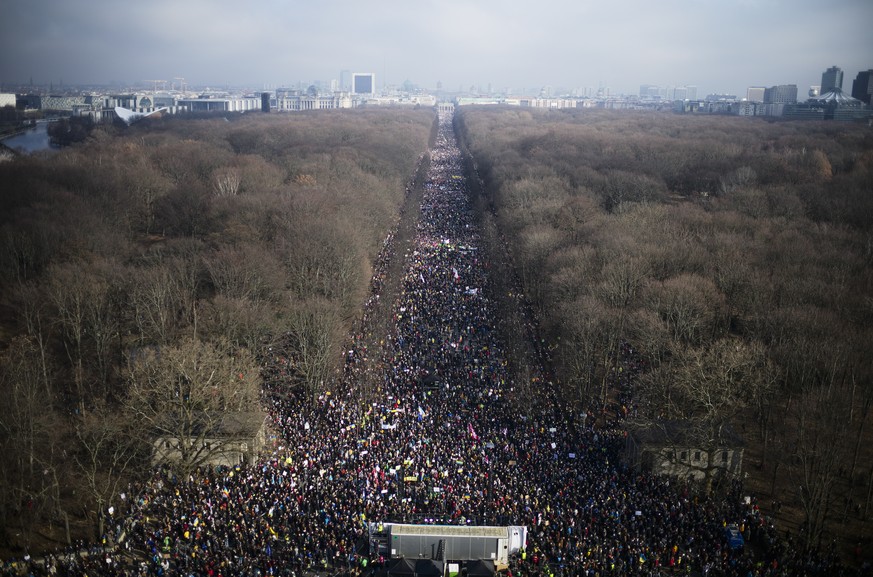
718 45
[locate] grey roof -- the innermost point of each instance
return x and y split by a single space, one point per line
450 530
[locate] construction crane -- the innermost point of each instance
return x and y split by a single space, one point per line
181 83
163 84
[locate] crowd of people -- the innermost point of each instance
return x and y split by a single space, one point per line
442 439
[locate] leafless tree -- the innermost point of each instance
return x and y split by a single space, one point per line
109 452
822 437
692 307
314 327
706 388
226 182
182 394
30 438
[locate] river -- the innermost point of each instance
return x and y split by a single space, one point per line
31 140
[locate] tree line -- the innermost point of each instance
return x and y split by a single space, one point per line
734 256
145 272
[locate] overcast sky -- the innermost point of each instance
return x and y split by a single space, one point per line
720 46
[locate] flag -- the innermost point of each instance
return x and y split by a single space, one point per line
472 432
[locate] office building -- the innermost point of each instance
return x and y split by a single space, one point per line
755 93
649 91
862 86
364 84
832 105
781 94
831 78
229 104
776 98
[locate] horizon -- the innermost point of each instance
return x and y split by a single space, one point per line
719 47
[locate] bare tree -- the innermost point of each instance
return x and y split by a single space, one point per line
29 437
226 182
109 452
590 339
183 393
706 388
314 328
692 307
70 296
245 272
244 323
622 279
325 261
34 312
822 438
163 295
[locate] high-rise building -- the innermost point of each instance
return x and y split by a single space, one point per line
781 94
363 83
831 78
755 93
649 91
862 86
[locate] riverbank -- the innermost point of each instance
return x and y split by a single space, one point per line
27 140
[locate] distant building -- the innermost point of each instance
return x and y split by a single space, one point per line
238 438
669 448
64 103
862 86
403 100
748 108
526 102
721 97
755 93
650 91
781 94
364 84
831 78
300 102
776 98
28 101
832 105
210 104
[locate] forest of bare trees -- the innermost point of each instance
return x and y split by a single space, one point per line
145 270
736 257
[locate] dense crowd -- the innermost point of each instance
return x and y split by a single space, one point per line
443 440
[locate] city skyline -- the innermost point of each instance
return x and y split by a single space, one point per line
719 47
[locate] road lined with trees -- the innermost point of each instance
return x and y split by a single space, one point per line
734 256
448 412
144 269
